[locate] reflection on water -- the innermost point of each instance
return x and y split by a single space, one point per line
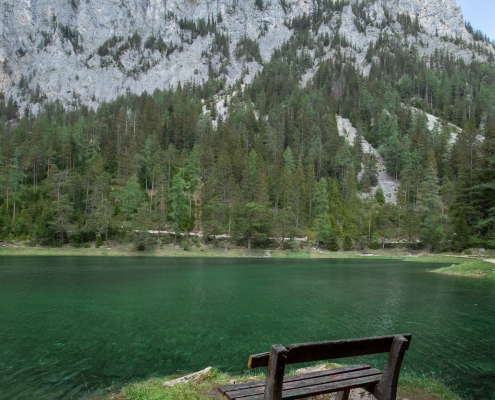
65 322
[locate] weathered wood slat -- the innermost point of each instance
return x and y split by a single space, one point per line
314 382
317 351
301 393
310 375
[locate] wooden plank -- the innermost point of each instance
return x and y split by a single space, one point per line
305 392
275 373
318 351
310 375
340 377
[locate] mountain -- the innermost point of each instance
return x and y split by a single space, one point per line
84 52
355 124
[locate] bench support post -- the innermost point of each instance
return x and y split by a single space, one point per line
275 372
387 388
344 395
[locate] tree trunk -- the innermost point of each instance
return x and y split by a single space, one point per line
249 243
87 196
13 214
369 229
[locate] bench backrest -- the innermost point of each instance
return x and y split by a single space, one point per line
319 351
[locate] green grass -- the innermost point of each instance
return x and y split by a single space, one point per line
473 268
423 388
460 265
410 388
152 389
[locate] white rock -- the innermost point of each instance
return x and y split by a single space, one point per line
26 23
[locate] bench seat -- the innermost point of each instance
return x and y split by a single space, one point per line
310 384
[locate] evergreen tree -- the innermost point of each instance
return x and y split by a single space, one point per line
178 204
485 189
430 209
214 217
253 222
15 177
285 224
131 197
62 209
322 224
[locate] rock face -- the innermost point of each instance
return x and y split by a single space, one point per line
90 51
441 17
388 184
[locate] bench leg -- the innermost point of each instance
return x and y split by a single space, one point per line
275 372
344 395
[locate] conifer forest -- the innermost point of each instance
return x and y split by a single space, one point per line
262 163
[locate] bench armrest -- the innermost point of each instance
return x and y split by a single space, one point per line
387 388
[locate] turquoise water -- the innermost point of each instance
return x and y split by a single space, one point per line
69 324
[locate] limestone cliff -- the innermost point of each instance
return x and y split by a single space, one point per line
90 51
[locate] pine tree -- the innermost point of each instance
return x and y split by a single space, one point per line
61 206
178 204
322 224
430 210
15 178
214 216
131 197
285 222
253 222
485 190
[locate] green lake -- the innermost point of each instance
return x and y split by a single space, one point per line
73 324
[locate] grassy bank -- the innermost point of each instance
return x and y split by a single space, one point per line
169 250
410 388
461 265
469 266
472 268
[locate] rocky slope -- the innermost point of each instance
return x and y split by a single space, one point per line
90 51
388 184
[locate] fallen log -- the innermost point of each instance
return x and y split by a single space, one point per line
187 378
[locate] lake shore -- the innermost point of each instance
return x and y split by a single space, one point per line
410 388
477 265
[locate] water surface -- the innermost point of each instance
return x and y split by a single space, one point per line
73 324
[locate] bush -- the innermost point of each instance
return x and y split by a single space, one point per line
348 245
99 241
87 245
334 245
375 244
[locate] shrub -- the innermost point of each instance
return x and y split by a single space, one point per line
348 245
185 244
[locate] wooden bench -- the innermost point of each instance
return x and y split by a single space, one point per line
383 385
